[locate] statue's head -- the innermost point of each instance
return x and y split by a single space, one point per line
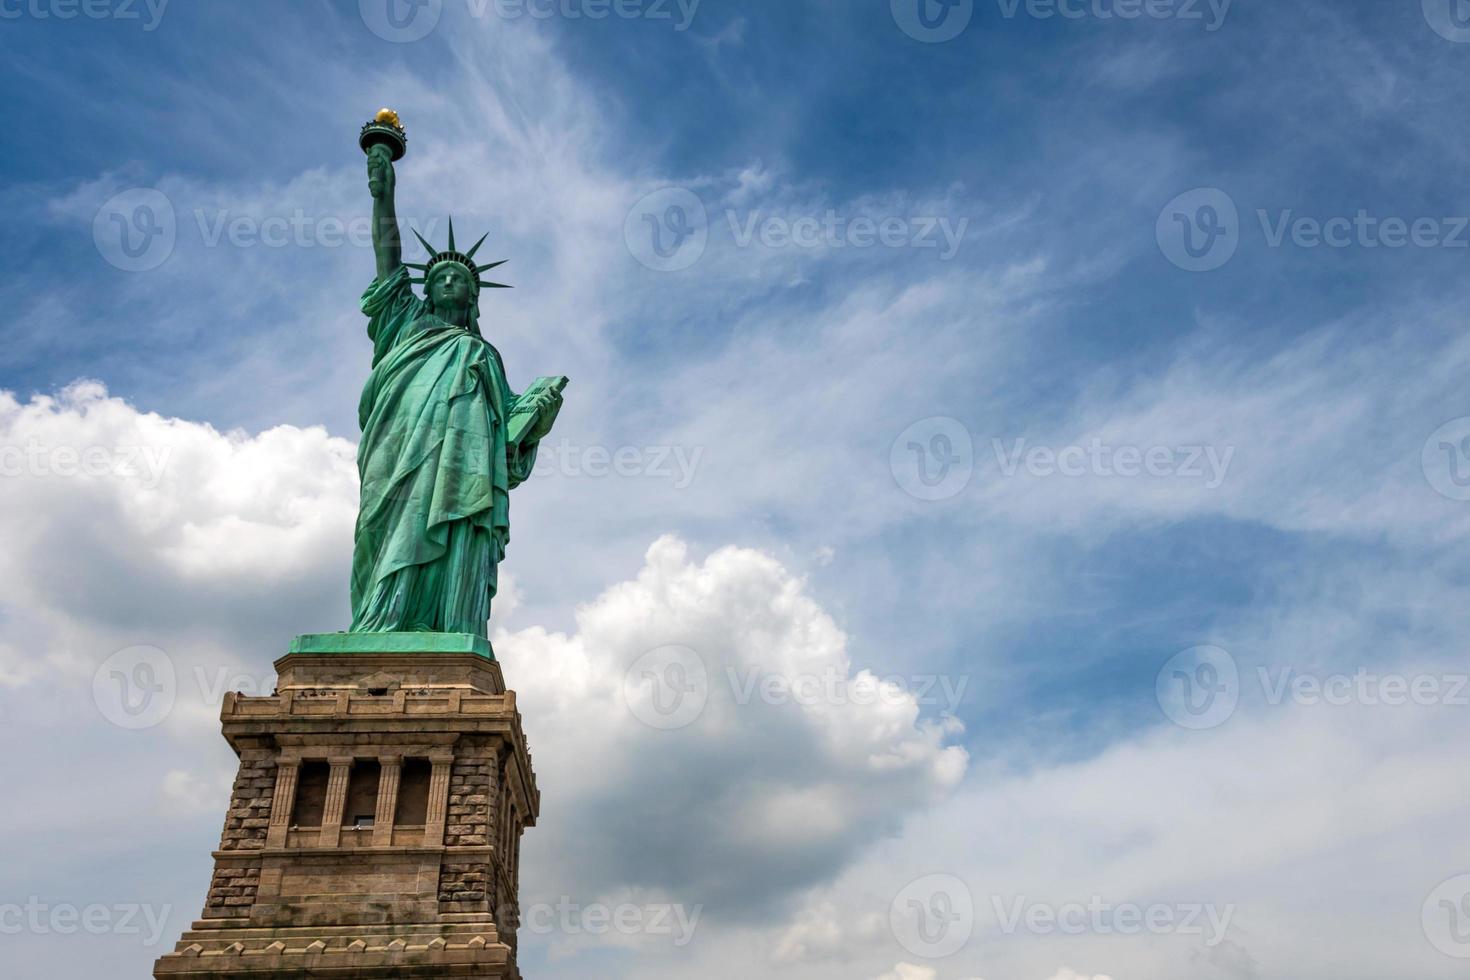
452 282
451 291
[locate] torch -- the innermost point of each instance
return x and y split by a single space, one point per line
385 129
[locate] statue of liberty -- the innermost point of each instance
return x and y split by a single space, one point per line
444 439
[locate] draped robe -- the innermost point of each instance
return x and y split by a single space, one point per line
436 470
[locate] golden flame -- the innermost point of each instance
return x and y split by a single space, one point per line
388 118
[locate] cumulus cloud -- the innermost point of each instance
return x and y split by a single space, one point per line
123 523
755 786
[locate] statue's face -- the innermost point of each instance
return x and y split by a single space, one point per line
451 287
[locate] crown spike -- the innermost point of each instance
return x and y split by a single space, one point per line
492 265
425 242
493 285
451 233
415 265
471 253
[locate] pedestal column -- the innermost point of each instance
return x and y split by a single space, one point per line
287 772
438 800
392 770
336 800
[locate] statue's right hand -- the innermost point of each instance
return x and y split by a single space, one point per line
381 178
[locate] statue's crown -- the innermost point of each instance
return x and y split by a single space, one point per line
451 254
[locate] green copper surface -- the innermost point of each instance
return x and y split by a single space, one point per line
439 455
347 644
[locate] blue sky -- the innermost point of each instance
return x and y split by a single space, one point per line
1068 156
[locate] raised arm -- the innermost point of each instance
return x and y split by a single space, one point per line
387 246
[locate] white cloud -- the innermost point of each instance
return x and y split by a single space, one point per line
756 796
126 527
907 971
